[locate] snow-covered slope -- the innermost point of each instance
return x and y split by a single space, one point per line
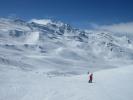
113 84
52 45
47 60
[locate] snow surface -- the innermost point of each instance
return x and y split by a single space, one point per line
112 84
47 60
32 38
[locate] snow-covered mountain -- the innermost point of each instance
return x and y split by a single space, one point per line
55 46
48 59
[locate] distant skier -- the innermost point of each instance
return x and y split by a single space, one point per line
90 78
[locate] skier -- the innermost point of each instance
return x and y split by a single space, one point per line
90 78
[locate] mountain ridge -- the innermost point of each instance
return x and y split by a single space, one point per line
55 43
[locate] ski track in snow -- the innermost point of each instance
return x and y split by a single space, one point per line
112 84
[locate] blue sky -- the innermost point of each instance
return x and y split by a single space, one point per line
79 13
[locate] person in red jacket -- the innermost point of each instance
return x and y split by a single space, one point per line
90 78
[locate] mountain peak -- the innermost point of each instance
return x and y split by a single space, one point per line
46 22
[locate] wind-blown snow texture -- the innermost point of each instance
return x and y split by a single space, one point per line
38 55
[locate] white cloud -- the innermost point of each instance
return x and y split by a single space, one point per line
119 28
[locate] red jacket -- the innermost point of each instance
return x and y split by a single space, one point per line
91 76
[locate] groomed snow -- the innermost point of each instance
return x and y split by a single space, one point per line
111 84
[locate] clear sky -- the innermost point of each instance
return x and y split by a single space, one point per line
80 13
